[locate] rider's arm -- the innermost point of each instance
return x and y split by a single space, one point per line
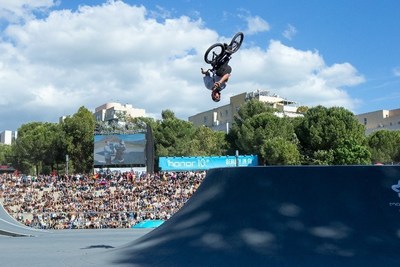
224 78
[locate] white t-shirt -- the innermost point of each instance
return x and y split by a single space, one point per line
209 81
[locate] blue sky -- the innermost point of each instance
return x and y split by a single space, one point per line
56 56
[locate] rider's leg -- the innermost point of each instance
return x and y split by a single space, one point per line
205 72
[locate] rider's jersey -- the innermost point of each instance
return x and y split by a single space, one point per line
209 81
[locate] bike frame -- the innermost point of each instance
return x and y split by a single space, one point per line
219 54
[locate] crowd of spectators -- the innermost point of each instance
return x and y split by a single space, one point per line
105 200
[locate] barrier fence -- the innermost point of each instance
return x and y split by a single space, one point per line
87 220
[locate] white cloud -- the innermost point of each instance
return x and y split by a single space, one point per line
255 24
16 10
290 32
301 76
117 52
340 75
279 64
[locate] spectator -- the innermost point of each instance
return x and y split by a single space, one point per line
114 200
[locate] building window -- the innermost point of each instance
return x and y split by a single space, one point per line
205 119
365 121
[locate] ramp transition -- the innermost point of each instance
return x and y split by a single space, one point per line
11 227
278 216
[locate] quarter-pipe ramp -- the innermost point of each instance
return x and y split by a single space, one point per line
278 216
11 227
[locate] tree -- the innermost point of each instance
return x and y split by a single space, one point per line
255 129
168 114
349 151
207 142
173 136
384 146
34 145
5 154
79 131
58 148
332 136
278 151
302 109
146 121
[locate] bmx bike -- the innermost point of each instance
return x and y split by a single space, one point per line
220 53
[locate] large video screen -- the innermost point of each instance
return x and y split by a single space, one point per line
119 149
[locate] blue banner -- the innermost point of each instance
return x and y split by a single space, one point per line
205 163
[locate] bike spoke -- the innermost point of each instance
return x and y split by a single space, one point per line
213 54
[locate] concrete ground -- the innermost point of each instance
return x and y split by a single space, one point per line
64 248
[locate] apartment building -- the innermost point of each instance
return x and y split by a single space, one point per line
221 118
379 120
113 111
7 137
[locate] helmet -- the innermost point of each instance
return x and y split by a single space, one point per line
216 95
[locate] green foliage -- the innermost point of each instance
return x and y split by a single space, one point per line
302 109
172 137
322 157
207 142
42 147
384 146
36 145
168 114
278 151
324 136
5 154
175 137
255 130
79 139
55 155
146 121
331 136
349 152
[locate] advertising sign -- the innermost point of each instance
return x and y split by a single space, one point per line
205 163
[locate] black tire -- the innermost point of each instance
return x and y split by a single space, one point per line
236 42
214 53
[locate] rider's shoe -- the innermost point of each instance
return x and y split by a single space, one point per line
205 72
229 50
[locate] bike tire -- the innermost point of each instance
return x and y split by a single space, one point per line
236 42
214 53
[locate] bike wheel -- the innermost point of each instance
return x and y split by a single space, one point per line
214 53
236 42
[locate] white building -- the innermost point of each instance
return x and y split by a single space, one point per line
380 120
7 137
113 111
221 118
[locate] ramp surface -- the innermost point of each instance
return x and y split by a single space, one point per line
11 227
277 216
